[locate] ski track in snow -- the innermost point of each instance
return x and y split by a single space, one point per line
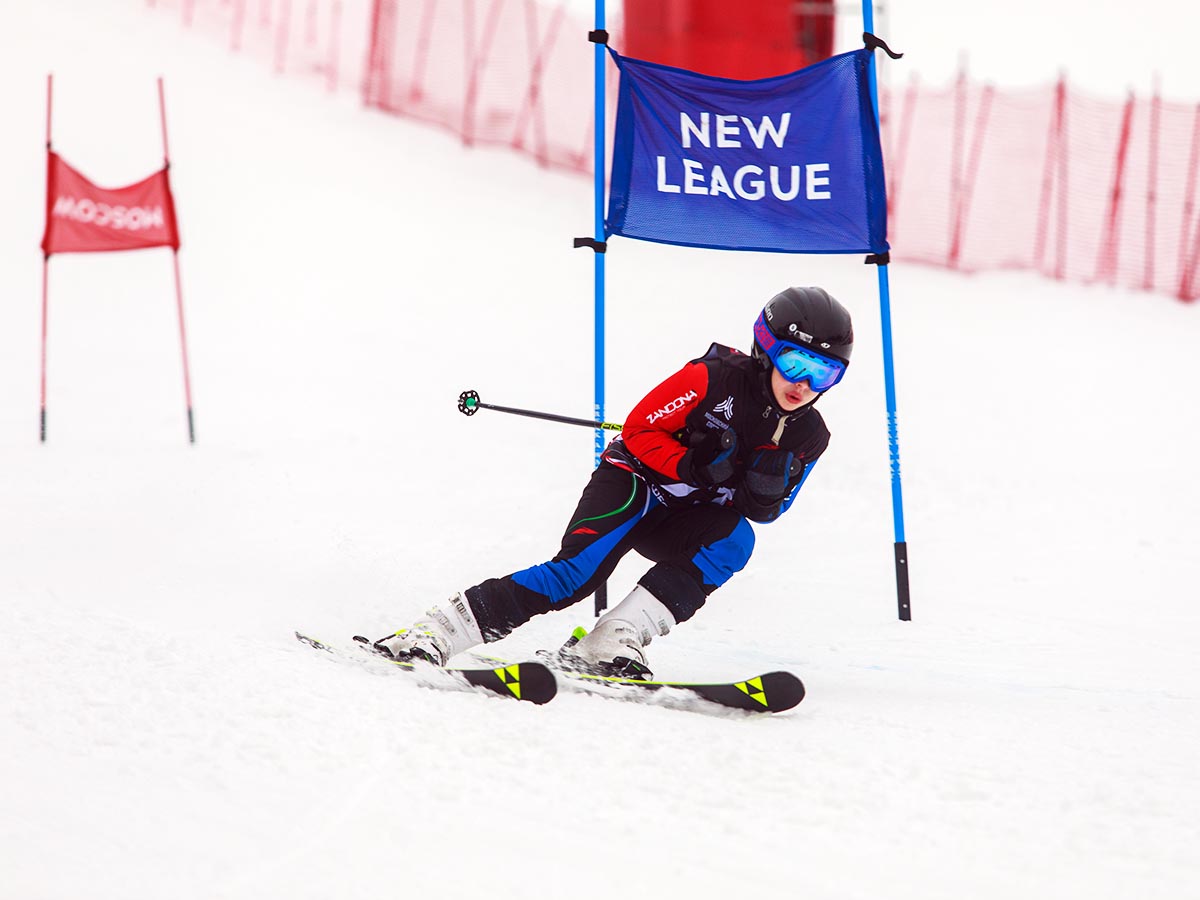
1032 733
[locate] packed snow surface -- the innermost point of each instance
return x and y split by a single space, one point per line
1033 732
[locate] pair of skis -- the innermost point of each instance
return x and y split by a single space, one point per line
534 682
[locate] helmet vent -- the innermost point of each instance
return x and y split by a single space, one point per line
797 333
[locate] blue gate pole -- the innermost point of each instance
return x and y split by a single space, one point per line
904 607
598 166
598 188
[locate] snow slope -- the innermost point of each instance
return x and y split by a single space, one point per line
1032 733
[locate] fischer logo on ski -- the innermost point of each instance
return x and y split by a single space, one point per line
754 689
530 682
510 676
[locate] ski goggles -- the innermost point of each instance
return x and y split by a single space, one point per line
796 363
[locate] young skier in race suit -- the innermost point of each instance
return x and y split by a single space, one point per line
727 440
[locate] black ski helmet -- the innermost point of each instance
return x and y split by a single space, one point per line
810 317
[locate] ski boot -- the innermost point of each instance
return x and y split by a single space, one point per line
440 634
615 647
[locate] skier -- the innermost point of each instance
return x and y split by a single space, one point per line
727 440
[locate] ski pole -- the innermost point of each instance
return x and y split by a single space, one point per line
469 404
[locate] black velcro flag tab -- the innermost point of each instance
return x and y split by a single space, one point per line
598 246
876 43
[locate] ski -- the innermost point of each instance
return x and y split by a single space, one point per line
771 692
531 682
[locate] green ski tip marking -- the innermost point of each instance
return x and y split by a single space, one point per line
579 633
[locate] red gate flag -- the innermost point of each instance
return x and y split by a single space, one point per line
82 217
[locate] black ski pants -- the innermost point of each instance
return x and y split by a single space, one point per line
695 549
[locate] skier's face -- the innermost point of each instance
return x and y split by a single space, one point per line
791 397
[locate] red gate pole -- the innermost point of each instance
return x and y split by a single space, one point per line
187 378
46 266
532 112
477 58
377 69
1183 291
237 26
1152 187
310 25
896 166
335 39
956 162
971 176
283 34
1106 262
1047 193
1064 184
416 91
45 289
187 381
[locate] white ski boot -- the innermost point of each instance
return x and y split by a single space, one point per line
615 647
440 634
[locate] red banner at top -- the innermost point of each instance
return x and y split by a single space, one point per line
84 218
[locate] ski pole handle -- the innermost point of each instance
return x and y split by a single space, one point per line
469 404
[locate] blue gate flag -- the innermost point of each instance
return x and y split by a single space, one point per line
790 164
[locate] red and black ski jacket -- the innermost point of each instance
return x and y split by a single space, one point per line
720 390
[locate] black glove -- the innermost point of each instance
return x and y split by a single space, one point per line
711 457
768 473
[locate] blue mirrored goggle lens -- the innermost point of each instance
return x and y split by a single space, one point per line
796 365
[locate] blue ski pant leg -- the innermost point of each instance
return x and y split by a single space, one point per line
614 511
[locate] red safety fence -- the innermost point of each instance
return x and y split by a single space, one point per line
509 72
980 178
296 36
1050 179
